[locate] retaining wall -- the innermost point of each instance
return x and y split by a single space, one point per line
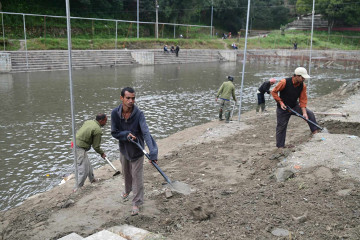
5 62
57 60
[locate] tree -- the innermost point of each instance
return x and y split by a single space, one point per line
345 12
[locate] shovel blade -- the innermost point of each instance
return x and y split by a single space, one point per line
179 187
117 173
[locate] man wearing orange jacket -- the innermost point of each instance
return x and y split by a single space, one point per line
293 94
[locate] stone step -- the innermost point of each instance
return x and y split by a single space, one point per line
105 234
72 236
133 233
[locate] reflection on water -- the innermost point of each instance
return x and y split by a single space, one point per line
35 126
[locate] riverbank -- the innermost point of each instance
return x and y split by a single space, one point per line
230 168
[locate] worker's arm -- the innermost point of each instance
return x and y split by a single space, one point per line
275 93
220 91
303 101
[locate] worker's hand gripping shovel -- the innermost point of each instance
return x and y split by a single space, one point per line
116 171
174 185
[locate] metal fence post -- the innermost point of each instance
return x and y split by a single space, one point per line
116 36
244 61
71 89
27 61
3 29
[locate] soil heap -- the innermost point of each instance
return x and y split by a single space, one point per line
243 187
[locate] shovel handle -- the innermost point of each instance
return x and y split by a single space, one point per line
301 116
110 163
152 162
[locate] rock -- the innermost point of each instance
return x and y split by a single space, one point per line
283 174
68 203
300 219
168 193
280 232
344 192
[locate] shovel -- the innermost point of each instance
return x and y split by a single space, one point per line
232 111
175 185
116 171
301 116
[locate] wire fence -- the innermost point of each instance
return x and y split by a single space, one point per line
23 26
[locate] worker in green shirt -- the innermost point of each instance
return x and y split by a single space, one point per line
88 135
225 92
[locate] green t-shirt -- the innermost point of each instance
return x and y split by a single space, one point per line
90 134
227 90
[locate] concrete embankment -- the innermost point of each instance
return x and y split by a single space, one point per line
30 61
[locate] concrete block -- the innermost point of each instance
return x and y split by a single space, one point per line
230 56
134 233
72 236
144 58
5 62
105 234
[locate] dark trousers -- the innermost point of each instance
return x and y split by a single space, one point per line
261 98
283 117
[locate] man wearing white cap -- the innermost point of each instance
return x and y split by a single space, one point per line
293 94
264 88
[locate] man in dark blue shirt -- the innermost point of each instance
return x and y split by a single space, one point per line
128 121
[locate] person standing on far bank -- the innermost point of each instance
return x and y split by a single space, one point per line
128 121
225 92
177 49
293 94
264 88
88 135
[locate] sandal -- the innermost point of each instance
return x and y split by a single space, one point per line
135 211
125 196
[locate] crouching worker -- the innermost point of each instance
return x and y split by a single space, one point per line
128 121
264 88
88 135
226 91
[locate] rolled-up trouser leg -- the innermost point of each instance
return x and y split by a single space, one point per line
283 117
311 116
84 167
133 173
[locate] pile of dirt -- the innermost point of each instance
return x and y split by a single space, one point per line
233 171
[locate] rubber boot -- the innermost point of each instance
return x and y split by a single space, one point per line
220 115
262 107
227 117
257 108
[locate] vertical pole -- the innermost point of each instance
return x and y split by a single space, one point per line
71 88
311 41
45 28
174 32
244 61
157 25
137 17
3 28
27 61
212 12
116 37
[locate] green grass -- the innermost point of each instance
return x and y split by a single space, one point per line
274 40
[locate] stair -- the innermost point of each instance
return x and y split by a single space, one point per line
58 60
304 23
123 232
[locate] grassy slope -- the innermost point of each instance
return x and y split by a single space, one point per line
273 40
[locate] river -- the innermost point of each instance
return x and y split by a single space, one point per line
35 127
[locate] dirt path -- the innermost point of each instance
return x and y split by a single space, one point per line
236 195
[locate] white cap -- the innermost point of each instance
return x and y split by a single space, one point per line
302 72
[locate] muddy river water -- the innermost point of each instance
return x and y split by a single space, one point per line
35 126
